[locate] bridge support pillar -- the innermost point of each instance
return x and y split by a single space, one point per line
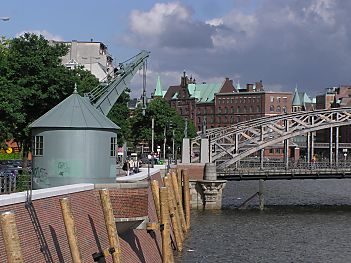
336 146
331 147
204 150
186 150
207 194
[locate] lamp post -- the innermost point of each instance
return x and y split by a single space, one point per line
148 166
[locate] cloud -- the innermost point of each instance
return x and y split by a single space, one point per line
47 35
283 43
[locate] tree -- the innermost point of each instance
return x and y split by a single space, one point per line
119 114
33 81
165 118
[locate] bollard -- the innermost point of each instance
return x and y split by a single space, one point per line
186 193
179 203
110 224
70 230
11 238
156 196
173 214
167 254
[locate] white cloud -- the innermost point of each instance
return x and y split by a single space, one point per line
154 22
47 35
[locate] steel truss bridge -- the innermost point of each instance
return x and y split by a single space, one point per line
232 144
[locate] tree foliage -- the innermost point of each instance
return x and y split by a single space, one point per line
119 114
33 81
165 118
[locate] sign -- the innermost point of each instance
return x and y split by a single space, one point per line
9 150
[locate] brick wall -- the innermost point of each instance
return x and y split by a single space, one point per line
136 245
196 170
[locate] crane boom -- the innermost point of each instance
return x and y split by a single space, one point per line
104 96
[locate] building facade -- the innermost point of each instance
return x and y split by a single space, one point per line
93 56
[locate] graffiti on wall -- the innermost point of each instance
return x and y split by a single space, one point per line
63 168
40 176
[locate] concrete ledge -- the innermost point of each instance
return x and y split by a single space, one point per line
142 175
133 185
21 197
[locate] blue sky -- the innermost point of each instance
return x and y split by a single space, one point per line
283 43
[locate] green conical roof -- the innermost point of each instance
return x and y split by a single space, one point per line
158 89
296 100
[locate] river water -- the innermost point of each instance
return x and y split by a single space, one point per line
303 221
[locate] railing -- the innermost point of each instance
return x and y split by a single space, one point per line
15 183
316 170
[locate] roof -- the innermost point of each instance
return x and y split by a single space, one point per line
301 99
204 92
74 112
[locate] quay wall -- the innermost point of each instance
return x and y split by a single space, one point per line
130 200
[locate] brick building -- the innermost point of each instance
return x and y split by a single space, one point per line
335 97
223 104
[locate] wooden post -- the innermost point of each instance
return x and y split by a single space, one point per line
167 254
186 193
174 216
179 178
110 224
156 196
178 201
11 238
70 230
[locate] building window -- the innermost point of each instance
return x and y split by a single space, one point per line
278 109
271 151
284 109
271 108
231 119
272 99
278 99
245 109
225 110
38 146
113 146
278 151
219 119
198 120
219 110
238 109
285 99
251 109
238 119
258 108
232 109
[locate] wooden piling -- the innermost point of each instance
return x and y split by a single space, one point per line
156 196
178 202
71 231
167 255
179 178
174 216
11 238
186 194
110 225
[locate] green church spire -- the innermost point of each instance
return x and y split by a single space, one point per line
158 89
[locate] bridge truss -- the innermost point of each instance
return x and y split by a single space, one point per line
231 144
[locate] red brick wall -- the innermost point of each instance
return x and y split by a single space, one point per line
196 171
136 245
129 202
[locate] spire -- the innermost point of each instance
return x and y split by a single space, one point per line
158 89
75 89
238 85
296 99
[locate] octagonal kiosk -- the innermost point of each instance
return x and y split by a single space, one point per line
73 143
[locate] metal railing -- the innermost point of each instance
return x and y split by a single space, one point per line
15 183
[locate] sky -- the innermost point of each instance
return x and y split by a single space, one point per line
286 44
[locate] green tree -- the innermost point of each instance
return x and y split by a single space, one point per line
33 81
165 118
119 114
